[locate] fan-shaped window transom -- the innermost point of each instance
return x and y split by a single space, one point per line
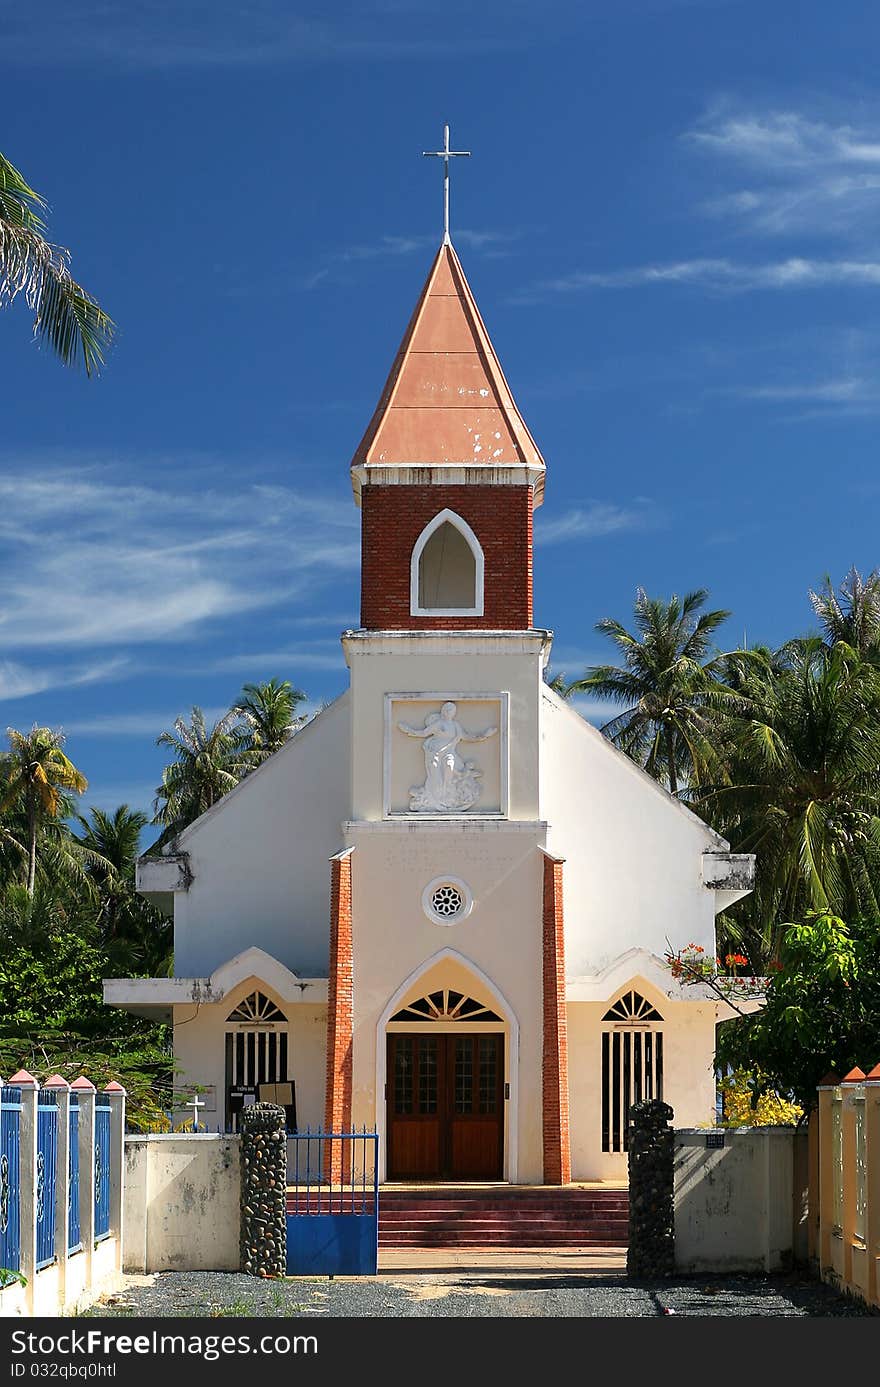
633 1008
256 1008
446 1005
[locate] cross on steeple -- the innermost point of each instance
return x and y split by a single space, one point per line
446 154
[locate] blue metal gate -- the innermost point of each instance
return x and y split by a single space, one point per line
333 1223
74 1240
10 1183
102 1170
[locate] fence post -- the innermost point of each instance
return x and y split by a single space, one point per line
651 1250
62 1178
826 1171
116 1094
85 1091
28 1181
813 1189
263 1190
848 1121
872 1163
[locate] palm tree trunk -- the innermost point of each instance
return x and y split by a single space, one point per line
32 849
670 758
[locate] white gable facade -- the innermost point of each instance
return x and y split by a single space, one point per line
441 909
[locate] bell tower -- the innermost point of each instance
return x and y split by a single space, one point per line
447 476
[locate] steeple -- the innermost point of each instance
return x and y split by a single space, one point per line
446 403
447 477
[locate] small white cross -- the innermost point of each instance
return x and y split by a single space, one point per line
195 1103
446 154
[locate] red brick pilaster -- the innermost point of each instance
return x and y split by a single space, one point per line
557 1138
340 1012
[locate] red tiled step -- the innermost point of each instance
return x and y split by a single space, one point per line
503 1217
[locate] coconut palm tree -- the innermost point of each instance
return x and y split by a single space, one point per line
65 315
207 763
131 929
852 614
665 684
268 711
799 740
36 778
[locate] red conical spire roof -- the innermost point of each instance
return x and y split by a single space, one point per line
446 401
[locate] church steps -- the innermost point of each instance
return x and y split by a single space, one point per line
504 1217
481 1216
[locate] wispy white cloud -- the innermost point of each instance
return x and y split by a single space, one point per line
22 681
595 520
487 242
143 724
328 655
718 275
804 173
832 392
595 710
139 563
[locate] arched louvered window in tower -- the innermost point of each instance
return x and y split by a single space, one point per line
447 569
632 1064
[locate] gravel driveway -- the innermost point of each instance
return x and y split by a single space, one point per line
458 1294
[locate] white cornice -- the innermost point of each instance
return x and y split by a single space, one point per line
448 474
536 642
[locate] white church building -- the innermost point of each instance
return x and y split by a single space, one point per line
441 909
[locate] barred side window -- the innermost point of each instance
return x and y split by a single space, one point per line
632 1064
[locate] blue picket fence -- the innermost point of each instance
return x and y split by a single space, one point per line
10 1182
333 1225
102 1170
74 1238
47 1161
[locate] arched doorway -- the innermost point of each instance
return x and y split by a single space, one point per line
447 1071
445 1090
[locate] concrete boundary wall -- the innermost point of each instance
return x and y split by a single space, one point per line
739 1206
182 1202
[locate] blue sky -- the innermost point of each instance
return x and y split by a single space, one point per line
671 222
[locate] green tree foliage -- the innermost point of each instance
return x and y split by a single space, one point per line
268 712
52 1017
663 684
65 316
35 774
208 762
822 1011
799 748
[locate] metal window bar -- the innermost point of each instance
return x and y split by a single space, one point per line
632 1070
74 1238
47 1152
10 1179
102 1170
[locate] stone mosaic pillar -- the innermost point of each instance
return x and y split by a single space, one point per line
651 1250
263 1190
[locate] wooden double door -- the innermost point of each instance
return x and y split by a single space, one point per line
445 1096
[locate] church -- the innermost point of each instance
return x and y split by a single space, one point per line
440 910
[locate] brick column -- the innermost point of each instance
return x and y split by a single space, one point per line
557 1139
337 1110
